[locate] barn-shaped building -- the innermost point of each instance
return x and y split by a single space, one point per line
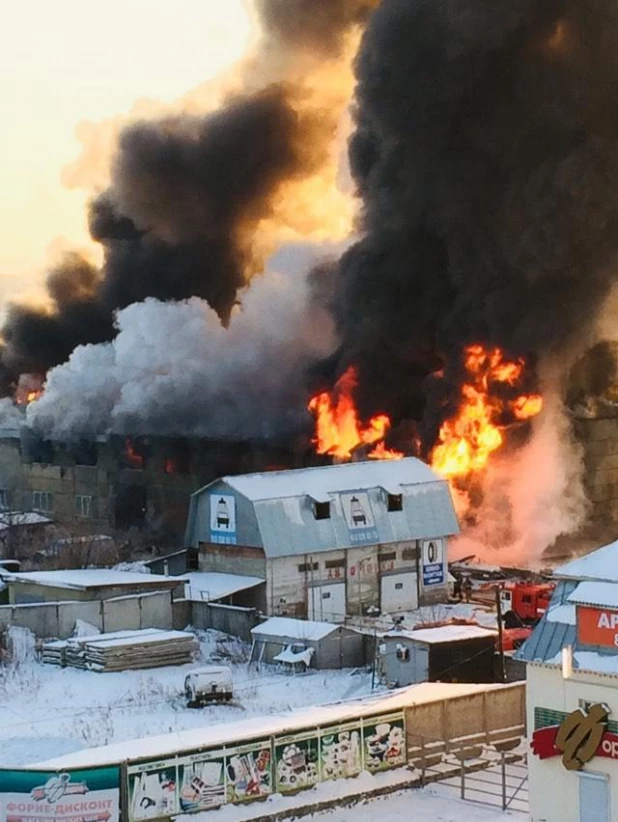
330 541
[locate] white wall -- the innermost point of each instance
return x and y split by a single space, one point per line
554 791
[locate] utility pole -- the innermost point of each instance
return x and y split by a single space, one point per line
500 634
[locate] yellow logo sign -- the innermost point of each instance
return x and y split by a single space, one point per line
580 734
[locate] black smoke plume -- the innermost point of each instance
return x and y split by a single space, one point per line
486 154
188 193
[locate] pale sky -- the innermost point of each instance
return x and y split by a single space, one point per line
66 61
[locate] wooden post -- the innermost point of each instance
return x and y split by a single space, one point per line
500 635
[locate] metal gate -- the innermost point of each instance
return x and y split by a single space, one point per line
494 774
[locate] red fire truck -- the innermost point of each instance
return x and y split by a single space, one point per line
524 603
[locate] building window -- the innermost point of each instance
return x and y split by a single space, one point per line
399 586
321 510
527 599
326 595
83 505
403 653
334 563
42 501
388 557
408 554
307 567
394 502
5 502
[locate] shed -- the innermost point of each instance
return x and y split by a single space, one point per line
449 653
84 584
333 646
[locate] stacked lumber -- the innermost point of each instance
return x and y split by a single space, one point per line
123 650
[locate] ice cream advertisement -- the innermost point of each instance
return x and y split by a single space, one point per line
341 751
297 761
384 743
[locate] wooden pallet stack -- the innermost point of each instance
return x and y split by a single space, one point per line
123 650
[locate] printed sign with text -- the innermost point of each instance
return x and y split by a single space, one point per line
223 519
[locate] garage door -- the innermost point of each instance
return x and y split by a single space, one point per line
399 592
327 603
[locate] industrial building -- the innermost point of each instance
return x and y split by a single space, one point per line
572 694
119 483
349 539
85 584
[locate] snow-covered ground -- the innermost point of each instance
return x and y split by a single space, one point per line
47 711
435 804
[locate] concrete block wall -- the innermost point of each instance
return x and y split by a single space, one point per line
57 619
599 440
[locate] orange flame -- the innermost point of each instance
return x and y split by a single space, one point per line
468 440
339 431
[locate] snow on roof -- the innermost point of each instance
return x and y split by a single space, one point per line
601 564
596 593
204 586
444 633
166 745
317 483
294 628
10 519
595 662
564 613
84 578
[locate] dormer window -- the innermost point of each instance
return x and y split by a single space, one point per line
321 510
394 502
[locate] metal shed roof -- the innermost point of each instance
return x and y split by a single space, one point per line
601 564
317 483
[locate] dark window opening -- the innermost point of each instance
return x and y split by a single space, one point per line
398 586
334 563
134 455
403 653
193 560
388 557
130 506
408 553
526 598
394 502
326 595
321 510
84 453
306 567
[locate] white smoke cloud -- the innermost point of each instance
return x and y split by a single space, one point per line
533 495
173 369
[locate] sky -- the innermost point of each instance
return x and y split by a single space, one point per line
66 62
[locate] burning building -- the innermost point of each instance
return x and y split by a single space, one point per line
434 289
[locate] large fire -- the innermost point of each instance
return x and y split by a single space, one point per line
467 441
339 430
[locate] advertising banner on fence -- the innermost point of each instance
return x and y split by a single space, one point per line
91 795
384 742
249 771
153 789
201 777
296 761
341 749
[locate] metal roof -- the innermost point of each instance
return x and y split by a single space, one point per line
318 483
554 632
601 564
604 594
283 519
